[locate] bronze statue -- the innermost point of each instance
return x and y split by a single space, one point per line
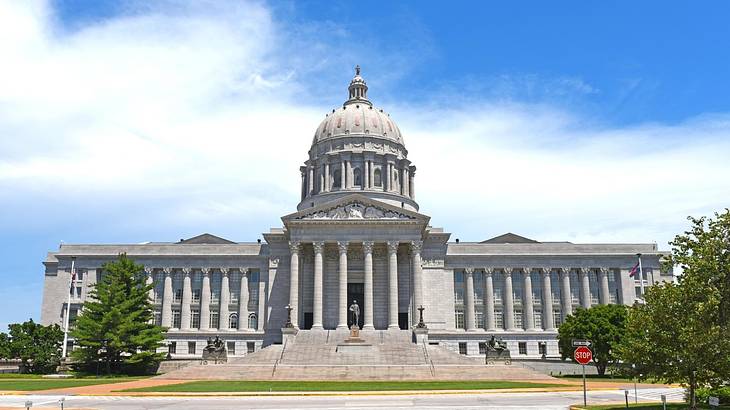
355 309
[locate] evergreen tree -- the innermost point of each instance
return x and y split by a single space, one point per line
603 325
682 333
38 347
115 326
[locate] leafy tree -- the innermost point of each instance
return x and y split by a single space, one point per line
603 325
115 326
4 346
37 346
681 333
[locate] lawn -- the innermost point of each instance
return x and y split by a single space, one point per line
290 386
607 378
648 406
36 383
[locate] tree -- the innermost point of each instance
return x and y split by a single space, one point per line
4 346
115 326
37 346
603 325
681 333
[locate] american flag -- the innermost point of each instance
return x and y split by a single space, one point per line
634 270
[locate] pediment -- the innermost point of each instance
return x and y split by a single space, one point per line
207 239
356 208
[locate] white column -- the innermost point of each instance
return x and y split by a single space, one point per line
366 175
167 299
405 181
585 288
508 301
348 169
263 298
371 169
243 301
605 291
294 282
416 247
489 299
318 274
342 174
311 180
367 248
223 312
527 301
187 298
470 323
342 300
567 297
547 300
150 280
205 300
412 184
393 285
386 180
327 177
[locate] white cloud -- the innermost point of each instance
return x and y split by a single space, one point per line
194 120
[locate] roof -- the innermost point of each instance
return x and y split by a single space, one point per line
206 238
509 237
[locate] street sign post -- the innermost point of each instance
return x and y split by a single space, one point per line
583 355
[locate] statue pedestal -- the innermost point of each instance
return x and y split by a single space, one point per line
354 335
420 335
288 334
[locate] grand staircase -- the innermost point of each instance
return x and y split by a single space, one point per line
387 355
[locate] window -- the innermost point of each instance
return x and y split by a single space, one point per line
158 318
337 179
462 348
482 347
233 321
538 319
498 318
191 347
638 292
195 319
557 317
542 346
178 295
79 274
522 347
250 347
73 314
231 346
196 295
214 320
172 348
459 287
253 321
357 177
176 319
459 319
479 316
518 318
378 178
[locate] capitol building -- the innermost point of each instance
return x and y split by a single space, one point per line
359 234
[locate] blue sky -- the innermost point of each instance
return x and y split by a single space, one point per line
132 121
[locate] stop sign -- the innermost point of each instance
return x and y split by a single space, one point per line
583 355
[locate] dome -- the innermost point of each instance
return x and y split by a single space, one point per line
358 117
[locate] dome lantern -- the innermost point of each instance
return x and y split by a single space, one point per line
358 89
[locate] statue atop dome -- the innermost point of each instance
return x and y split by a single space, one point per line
358 89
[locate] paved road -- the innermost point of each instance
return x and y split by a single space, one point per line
501 401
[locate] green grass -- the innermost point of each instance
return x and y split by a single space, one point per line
606 378
290 386
648 406
36 383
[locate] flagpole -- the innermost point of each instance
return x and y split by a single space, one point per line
68 310
641 276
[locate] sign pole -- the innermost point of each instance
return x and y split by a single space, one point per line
585 399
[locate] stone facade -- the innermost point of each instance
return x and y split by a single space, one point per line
358 234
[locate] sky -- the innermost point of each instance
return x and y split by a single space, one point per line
132 121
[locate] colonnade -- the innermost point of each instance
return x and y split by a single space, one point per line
187 304
547 302
319 178
342 302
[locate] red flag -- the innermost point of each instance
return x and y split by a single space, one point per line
634 270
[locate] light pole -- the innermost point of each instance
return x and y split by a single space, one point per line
64 348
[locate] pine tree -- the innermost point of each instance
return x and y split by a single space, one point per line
115 326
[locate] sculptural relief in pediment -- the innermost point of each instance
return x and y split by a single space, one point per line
356 210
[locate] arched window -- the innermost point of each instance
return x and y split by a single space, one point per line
336 178
357 176
233 321
253 321
378 179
